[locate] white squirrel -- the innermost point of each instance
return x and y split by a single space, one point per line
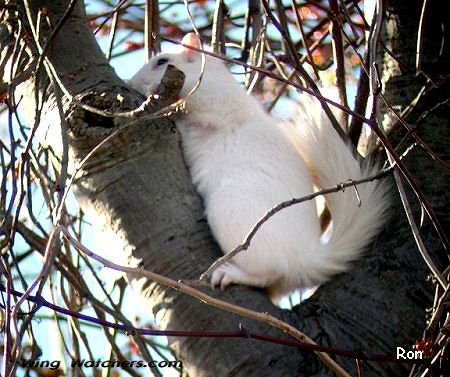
243 162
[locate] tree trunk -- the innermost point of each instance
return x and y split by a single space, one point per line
139 189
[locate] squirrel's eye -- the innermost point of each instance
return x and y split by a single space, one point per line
162 61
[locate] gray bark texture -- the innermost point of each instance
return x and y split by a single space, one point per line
139 187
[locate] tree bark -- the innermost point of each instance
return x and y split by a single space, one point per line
138 187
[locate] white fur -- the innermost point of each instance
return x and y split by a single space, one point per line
243 163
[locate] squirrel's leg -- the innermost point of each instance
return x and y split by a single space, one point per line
229 273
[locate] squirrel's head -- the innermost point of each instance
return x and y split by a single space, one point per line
186 57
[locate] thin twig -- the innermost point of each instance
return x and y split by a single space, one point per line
247 313
338 54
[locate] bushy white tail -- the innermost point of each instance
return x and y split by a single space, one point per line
357 216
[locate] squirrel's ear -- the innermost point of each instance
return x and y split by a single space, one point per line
190 39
